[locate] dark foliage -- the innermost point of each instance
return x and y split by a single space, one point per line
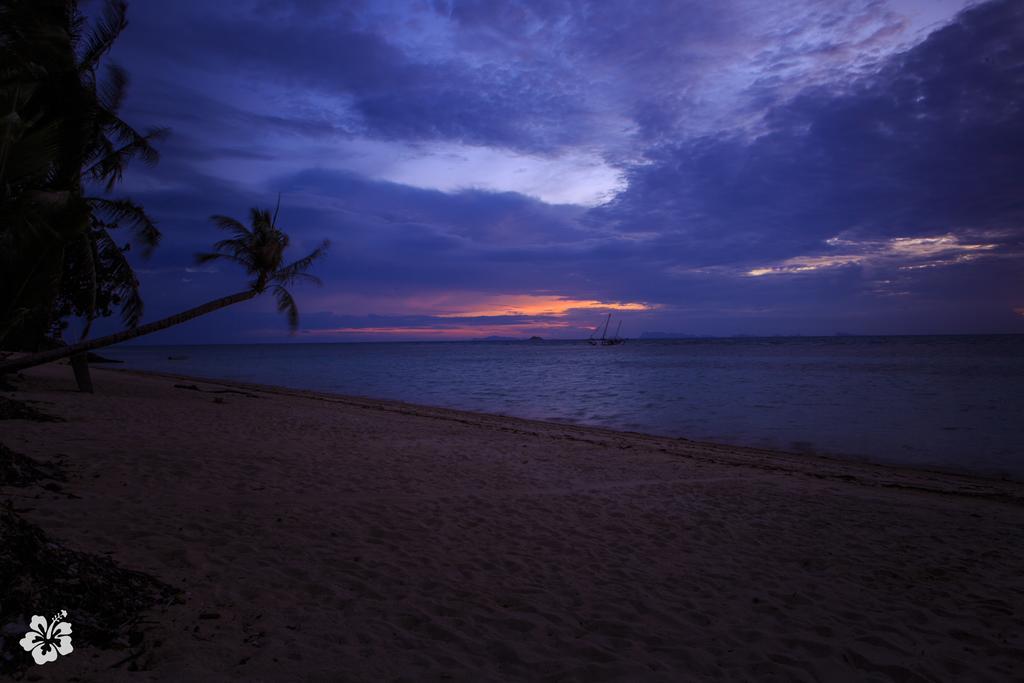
61 143
104 601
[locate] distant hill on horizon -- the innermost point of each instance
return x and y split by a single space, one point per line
667 335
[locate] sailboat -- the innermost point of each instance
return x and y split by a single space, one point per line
604 339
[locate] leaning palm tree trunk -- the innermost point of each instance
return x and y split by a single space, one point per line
51 355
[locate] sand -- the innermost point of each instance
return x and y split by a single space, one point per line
328 538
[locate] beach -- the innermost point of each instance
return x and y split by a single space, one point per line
321 537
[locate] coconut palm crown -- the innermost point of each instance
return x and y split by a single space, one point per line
260 251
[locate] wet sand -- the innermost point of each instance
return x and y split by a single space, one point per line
320 537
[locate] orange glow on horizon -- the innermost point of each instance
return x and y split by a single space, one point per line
447 315
537 304
454 332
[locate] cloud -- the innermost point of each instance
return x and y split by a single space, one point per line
530 76
796 165
931 142
904 253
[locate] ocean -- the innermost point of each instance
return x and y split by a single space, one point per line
951 403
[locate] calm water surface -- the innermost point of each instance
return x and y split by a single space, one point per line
942 402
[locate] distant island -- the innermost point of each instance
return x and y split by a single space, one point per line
666 335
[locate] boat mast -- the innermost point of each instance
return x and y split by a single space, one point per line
606 323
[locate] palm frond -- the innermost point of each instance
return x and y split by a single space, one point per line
286 304
126 284
233 245
128 137
207 256
109 161
231 225
204 257
277 210
237 251
107 28
296 278
113 88
118 211
296 270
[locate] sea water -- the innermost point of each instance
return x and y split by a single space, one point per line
954 403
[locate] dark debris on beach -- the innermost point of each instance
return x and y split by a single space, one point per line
20 470
104 602
10 409
39 576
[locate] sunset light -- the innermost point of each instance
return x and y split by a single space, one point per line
538 305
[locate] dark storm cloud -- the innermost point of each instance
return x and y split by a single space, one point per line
387 93
933 142
529 75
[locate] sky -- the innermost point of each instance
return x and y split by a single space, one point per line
755 167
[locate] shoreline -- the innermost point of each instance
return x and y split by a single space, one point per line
317 537
962 481
948 410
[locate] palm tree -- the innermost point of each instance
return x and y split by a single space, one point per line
63 259
258 249
99 146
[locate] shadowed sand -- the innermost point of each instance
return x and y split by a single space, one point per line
327 538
